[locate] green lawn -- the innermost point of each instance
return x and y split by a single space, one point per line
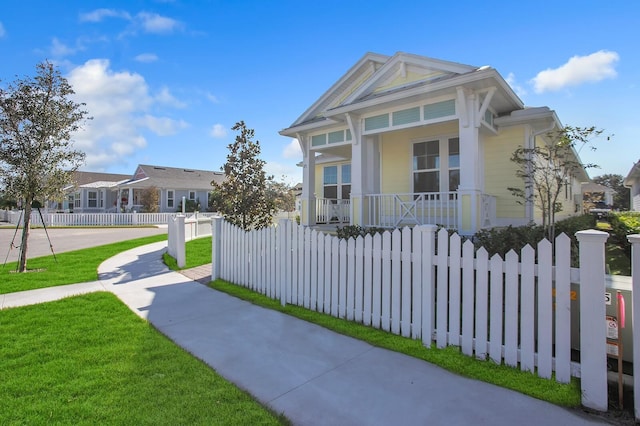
89 360
450 358
197 252
71 267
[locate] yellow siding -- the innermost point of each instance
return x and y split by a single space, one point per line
396 154
500 171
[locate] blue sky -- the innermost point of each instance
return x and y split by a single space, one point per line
166 80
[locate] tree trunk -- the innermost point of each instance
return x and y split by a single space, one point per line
22 265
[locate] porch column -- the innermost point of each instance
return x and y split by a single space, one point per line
307 199
469 191
118 200
358 171
130 199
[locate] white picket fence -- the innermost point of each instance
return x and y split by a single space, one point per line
95 219
181 229
515 310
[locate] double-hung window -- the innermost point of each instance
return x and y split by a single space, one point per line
337 182
436 165
92 199
170 198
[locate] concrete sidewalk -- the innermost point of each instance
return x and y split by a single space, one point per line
312 375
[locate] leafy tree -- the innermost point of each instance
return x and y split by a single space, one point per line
546 168
6 202
282 195
622 196
150 199
242 197
190 206
37 120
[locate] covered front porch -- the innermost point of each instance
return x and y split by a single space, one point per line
410 209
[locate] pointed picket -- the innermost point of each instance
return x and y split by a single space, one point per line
442 289
545 310
511 309
359 279
482 272
563 309
454 289
385 316
376 285
368 280
468 297
527 312
396 283
495 311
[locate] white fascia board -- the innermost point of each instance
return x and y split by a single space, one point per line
432 87
374 57
291 131
411 59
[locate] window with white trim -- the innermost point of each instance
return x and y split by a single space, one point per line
436 165
337 182
170 198
76 200
192 195
92 199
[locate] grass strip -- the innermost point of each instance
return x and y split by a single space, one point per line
197 253
89 360
72 266
450 358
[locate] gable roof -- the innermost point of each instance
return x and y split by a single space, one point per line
377 80
173 177
86 178
633 175
596 187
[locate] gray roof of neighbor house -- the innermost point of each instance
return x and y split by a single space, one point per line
172 178
595 187
86 178
634 174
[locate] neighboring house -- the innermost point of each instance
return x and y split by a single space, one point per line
406 140
103 192
632 181
596 198
91 192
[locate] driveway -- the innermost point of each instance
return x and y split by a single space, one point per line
67 239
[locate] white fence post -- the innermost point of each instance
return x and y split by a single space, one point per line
593 354
180 242
428 234
216 247
635 309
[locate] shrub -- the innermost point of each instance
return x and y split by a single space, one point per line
622 225
501 240
355 231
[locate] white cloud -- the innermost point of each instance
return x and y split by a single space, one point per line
154 23
2 30
165 97
119 103
146 57
579 69
511 80
162 126
99 14
218 131
59 49
213 98
292 151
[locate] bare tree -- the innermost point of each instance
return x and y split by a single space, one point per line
548 167
150 200
37 158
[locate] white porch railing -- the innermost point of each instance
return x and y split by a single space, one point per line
397 210
331 210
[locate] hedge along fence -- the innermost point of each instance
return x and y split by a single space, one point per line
446 291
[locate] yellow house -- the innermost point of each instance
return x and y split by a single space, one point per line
406 140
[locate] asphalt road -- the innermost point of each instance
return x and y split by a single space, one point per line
66 239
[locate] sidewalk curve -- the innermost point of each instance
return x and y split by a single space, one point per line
311 375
